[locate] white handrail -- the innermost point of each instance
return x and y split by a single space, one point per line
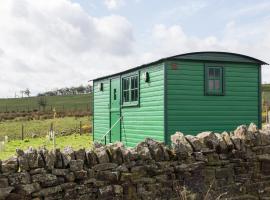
104 136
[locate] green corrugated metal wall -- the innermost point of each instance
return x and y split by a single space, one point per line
146 120
139 122
190 111
101 117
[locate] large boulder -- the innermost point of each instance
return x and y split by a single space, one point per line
227 139
156 149
102 154
22 160
68 155
32 157
195 142
180 146
91 158
80 154
4 192
222 146
246 136
10 165
116 152
143 151
209 139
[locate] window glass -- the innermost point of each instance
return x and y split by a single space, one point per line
217 85
217 73
130 89
214 81
211 73
211 84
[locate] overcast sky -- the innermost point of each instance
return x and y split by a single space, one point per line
46 44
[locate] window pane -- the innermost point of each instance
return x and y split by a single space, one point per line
211 85
126 96
211 73
126 84
217 84
134 95
134 82
217 73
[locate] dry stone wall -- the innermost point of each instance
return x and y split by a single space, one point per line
207 166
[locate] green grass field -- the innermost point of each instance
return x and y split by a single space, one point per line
76 141
60 103
13 129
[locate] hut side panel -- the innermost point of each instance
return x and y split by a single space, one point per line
147 119
188 108
101 118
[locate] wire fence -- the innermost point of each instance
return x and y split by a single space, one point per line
24 131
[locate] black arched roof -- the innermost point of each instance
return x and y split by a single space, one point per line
210 56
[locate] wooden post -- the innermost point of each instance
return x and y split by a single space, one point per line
22 132
80 127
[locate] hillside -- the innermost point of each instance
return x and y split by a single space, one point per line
60 103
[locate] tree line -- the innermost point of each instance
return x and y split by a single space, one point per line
68 91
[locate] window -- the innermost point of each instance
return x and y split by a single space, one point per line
130 90
214 80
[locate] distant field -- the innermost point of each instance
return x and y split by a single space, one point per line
76 141
40 128
60 103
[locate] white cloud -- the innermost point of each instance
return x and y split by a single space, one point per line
172 40
56 43
113 4
48 44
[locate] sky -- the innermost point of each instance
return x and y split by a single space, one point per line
48 44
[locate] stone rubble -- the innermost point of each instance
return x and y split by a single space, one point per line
235 165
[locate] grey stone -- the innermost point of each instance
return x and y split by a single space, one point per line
19 178
226 137
60 172
209 139
91 158
105 191
47 191
45 180
80 154
104 166
82 174
49 157
102 155
118 189
143 151
29 188
3 182
58 162
32 157
179 140
253 128
116 152
156 149
195 142
4 192
222 146
76 165
10 165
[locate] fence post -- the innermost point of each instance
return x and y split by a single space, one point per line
80 127
22 131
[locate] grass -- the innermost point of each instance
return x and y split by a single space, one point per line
76 141
13 128
60 103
